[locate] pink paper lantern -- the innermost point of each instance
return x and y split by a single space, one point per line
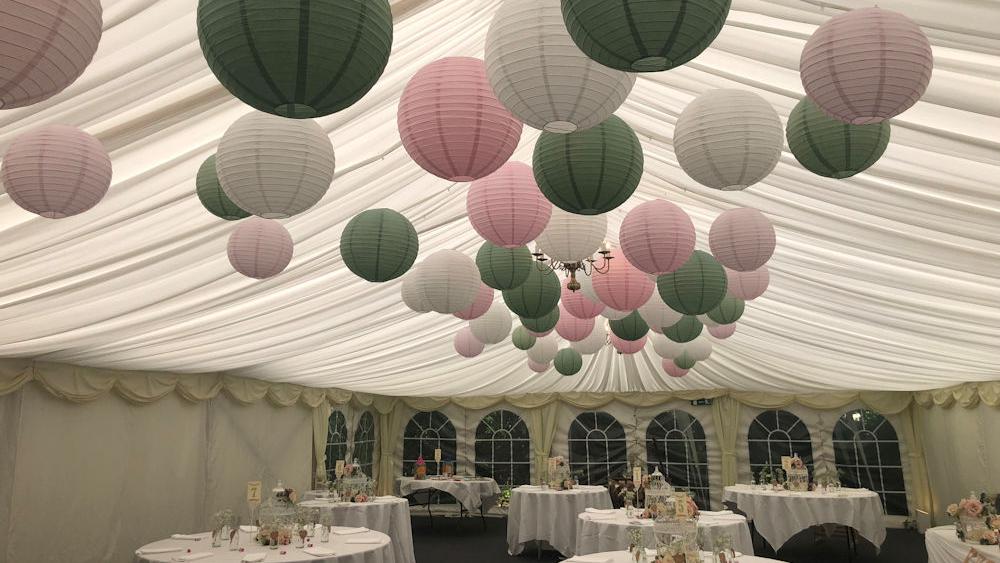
56 171
657 237
537 367
506 207
484 298
576 303
722 331
627 346
672 370
259 248
451 123
466 344
748 285
572 328
866 65
624 287
742 239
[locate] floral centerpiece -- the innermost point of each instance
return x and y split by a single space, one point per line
223 522
420 468
977 519
354 485
277 517
503 501
559 474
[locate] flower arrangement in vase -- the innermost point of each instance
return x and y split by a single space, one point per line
420 469
976 519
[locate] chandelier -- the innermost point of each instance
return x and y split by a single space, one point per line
587 267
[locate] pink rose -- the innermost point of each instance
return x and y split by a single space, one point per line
952 510
973 507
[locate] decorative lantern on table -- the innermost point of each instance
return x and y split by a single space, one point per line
797 475
277 516
354 485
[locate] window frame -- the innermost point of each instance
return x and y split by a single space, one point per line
801 444
435 442
598 432
364 441
331 461
514 467
691 436
850 474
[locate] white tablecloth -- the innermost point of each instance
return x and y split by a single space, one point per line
538 514
473 493
779 515
943 546
389 515
610 532
345 552
623 557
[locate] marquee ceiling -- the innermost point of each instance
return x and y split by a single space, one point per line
888 280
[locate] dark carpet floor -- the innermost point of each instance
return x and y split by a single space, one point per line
452 540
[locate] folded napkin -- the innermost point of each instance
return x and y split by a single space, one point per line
319 551
254 557
192 537
361 541
601 511
715 512
193 556
248 529
387 497
593 558
154 550
344 531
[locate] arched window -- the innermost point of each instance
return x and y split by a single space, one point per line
597 448
426 432
774 434
336 442
675 442
364 442
503 450
866 448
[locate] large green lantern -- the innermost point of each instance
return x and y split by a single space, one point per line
296 58
632 327
536 297
644 35
684 360
379 244
727 312
829 147
684 330
696 287
522 339
211 195
504 268
589 172
542 324
568 361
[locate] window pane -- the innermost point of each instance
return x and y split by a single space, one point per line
596 447
867 455
773 434
501 444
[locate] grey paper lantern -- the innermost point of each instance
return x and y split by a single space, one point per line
259 248
494 326
275 167
570 237
544 350
410 291
593 343
449 280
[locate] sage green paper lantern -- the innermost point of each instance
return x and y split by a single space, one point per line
536 297
644 35
631 328
522 339
829 147
504 268
568 361
589 172
727 312
542 324
379 244
294 58
696 287
684 330
684 360
211 195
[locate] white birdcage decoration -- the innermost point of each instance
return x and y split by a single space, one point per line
354 485
658 492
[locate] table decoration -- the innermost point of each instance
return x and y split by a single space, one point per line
977 520
223 522
559 477
420 469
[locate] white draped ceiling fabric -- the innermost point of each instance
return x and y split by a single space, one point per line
884 281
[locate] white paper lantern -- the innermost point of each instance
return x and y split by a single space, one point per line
614 314
466 344
571 238
542 77
593 343
666 348
587 287
410 292
274 167
698 349
728 139
544 350
658 314
494 326
449 281
259 248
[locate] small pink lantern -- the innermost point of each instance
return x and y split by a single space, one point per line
537 367
506 207
572 328
56 171
576 303
259 248
672 370
627 346
484 298
657 237
624 287
466 344
722 331
452 124
742 239
748 285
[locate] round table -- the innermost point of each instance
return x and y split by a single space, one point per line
598 532
389 515
943 546
538 514
779 515
346 551
623 557
473 493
